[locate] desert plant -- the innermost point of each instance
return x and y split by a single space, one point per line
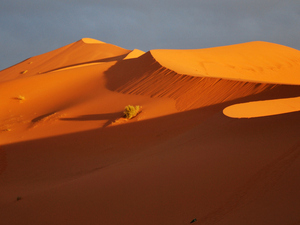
25 71
131 111
21 97
193 221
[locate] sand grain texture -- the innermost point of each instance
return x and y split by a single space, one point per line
217 138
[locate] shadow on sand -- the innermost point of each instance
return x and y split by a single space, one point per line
110 117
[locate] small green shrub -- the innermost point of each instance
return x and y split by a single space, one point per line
131 111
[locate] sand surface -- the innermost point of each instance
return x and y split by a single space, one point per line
217 140
263 108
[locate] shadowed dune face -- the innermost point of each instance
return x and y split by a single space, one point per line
203 172
68 157
197 78
145 76
3 162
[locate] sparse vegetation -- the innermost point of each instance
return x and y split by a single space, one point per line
25 71
21 97
131 111
194 220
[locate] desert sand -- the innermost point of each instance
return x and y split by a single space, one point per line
217 140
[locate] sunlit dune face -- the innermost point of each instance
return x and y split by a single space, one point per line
263 108
91 41
253 62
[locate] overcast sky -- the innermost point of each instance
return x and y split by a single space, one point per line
33 27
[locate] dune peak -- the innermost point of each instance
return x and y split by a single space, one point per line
92 41
134 54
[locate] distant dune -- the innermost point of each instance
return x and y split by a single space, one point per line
216 142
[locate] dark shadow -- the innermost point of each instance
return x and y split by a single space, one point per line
19 99
110 117
39 118
3 161
124 71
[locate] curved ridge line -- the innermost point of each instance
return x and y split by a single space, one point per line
110 59
205 74
181 86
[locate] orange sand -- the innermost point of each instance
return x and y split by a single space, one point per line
68 157
263 108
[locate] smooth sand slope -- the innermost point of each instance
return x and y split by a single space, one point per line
263 108
68 157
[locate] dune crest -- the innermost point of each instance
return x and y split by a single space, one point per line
92 41
258 62
74 54
134 54
146 76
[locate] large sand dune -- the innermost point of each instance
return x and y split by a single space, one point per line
217 140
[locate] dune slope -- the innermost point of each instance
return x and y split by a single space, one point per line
182 75
81 52
252 62
68 157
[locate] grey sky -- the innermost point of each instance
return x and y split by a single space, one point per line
33 27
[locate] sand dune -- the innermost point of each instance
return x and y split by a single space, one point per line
180 75
252 62
82 51
68 157
134 54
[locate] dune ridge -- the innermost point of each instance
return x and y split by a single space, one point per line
92 41
154 80
74 54
135 53
258 62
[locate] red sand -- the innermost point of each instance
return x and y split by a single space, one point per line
67 156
